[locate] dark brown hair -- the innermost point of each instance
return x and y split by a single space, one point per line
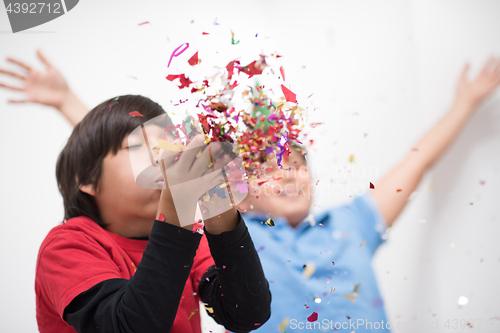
99 133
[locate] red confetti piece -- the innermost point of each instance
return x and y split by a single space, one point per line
348 317
251 69
147 22
313 317
399 190
205 33
315 124
282 72
194 59
230 69
333 263
289 95
372 186
185 82
161 218
135 114
177 53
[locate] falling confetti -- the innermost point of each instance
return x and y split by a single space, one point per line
309 270
194 59
372 186
161 218
233 42
313 317
362 243
147 22
177 52
270 222
135 114
284 324
351 159
332 290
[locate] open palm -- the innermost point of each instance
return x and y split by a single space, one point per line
485 83
48 88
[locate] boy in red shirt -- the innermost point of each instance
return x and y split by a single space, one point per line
112 267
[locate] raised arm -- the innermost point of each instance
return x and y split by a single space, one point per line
47 88
408 173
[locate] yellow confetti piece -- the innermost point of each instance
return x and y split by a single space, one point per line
162 144
206 197
133 266
283 324
351 297
351 158
332 290
309 270
270 222
192 313
210 310
363 243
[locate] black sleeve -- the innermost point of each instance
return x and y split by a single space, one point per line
147 302
235 291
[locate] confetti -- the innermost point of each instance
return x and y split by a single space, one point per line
210 310
351 158
177 53
161 218
398 190
284 324
332 290
351 297
165 145
313 317
147 22
192 313
135 114
309 270
194 59
270 222
289 95
233 42
372 186
362 243
282 71
333 263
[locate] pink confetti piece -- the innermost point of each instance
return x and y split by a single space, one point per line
177 53
161 218
223 267
147 22
282 71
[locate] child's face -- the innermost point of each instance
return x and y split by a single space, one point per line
126 208
282 193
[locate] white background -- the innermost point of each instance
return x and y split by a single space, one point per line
382 73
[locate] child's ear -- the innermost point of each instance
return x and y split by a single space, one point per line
89 189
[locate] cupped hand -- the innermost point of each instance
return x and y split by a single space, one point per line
476 90
43 87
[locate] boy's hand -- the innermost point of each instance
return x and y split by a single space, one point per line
473 92
190 176
47 88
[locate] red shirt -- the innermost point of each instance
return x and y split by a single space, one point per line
79 254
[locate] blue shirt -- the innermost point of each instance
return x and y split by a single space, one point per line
346 235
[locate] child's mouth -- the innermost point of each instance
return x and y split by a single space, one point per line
160 182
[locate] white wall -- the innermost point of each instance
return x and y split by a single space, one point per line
382 73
